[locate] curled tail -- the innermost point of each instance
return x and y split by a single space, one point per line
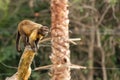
17 42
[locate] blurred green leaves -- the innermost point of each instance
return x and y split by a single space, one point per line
4 4
113 2
7 53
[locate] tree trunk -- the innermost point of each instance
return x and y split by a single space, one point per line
103 64
91 54
60 56
92 43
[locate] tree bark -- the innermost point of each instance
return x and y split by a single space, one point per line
60 56
24 69
103 64
91 54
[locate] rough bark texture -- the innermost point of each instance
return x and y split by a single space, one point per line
60 44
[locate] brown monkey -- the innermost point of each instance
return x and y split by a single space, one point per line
30 32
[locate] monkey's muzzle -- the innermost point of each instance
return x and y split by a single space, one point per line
44 30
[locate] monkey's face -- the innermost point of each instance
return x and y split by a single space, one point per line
44 30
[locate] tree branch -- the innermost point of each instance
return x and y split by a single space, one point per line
24 69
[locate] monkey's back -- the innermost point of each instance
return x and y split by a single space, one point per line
26 27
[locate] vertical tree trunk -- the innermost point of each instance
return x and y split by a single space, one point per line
92 43
60 44
103 64
91 53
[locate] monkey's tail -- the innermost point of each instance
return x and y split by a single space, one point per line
17 42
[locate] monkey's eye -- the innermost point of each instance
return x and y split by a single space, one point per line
45 29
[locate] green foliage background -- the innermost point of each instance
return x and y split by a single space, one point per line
13 11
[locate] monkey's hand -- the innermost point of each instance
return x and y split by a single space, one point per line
33 45
34 48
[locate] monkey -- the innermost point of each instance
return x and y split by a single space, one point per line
30 33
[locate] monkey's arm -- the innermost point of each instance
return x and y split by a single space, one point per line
32 39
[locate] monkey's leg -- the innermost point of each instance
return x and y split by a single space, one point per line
24 40
33 46
37 44
32 39
27 41
18 38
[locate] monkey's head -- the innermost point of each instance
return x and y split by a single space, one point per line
44 30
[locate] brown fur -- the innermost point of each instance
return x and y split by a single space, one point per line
30 32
